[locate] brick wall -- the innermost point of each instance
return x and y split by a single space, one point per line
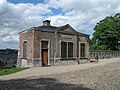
34 39
29 37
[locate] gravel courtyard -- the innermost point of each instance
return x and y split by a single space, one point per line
99 76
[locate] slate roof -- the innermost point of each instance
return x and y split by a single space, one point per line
46 28
54 28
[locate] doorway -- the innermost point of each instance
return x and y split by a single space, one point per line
44 53
45 57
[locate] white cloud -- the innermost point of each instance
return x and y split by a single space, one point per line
17 17
3 1
84 14
80 14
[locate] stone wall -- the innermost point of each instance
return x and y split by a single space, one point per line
104 54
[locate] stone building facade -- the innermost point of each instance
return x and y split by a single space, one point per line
48 45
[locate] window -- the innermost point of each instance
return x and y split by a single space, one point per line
70 49
44 44
63 49
66 49
24 49
82 52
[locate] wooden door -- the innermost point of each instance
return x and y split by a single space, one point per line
45 57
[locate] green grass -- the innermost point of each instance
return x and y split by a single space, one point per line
10 71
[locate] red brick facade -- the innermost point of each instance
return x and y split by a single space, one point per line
53 36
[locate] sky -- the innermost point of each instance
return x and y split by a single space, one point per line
82 15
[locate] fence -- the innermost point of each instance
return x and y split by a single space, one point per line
104 54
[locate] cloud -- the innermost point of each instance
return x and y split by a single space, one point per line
84 14
17 17
80 14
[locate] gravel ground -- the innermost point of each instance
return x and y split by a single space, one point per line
103 77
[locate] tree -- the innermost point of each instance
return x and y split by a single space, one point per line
106 34
1 63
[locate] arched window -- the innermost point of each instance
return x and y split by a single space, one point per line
24 49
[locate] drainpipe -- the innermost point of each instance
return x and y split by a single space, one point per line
55 49
78 48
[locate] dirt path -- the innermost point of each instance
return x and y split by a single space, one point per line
37 71
104 75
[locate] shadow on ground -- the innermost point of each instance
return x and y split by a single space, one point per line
38 84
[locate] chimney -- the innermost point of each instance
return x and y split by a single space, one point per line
46 23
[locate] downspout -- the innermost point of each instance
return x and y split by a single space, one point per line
55 49
78 48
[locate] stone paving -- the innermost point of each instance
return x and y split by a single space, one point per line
104 75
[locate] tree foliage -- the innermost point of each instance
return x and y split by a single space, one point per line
106 34
1 63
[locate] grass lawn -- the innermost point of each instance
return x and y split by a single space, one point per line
10 71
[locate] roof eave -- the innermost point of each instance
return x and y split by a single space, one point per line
32 28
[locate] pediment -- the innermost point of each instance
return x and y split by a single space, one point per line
67 29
